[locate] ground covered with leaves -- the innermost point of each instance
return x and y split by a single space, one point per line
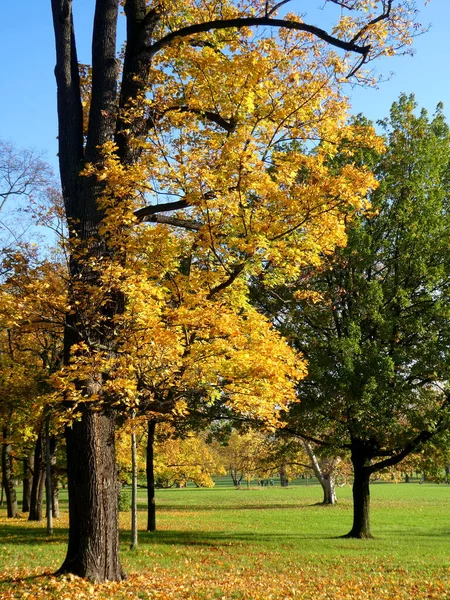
253 544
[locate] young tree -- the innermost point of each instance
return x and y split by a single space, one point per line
374 322
201 108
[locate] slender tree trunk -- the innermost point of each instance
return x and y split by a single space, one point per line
326 480
8 477
361 495
151 515
37 486
48 480
134 528
55 478
284 482
93 550
28 465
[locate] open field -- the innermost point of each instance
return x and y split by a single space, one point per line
260 543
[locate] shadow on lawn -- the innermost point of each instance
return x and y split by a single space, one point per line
32 536
26 579
215 539
233 507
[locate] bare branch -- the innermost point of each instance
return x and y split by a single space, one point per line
182 223
153 209
241 22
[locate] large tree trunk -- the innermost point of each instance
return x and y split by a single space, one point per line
93 550
361 494
38 484
151 516
28 465
8 477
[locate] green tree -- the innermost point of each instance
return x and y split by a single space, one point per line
373 322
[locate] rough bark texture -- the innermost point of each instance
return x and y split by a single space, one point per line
93 550
151 515
8 477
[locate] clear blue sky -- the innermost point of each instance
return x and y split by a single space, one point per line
27 87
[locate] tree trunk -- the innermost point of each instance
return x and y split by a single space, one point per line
55 478
37 486
326 479
134 526
93 550
28 464
284 481
8 477
329 489
361 495
151 515
48 480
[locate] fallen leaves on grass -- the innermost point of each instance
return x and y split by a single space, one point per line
305 583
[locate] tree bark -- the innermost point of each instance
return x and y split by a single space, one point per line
151 515
361 494
134 526
8 477
28 464
93 550
37 486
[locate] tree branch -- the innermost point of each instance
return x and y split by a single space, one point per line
241 22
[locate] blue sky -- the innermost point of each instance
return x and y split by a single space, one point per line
28 94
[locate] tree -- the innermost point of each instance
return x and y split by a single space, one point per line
25 178
196 121
374 321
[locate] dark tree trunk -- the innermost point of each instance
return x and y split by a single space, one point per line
361 494
93 550
8 477
151 516
38 483
28 465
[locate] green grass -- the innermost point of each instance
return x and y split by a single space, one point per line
272 535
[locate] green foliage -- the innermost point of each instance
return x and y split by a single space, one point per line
124 500
375 326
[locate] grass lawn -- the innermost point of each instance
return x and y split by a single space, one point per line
259 543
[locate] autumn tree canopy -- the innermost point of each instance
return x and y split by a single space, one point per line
184 128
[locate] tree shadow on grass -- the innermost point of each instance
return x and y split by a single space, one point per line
214 539
230 507
27 578
32 536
